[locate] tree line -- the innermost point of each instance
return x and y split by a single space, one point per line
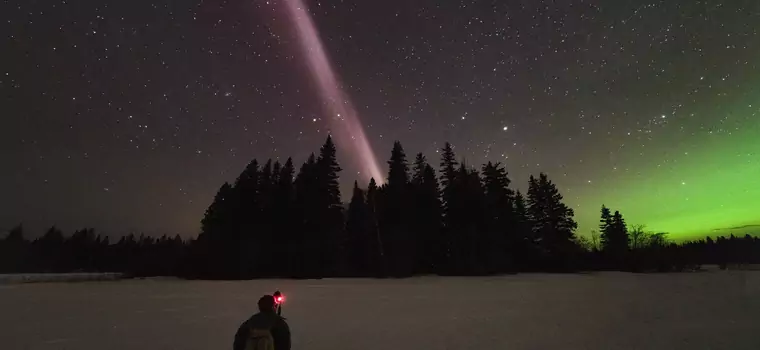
85 251
274 221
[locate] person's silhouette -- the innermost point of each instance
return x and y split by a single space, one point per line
265 327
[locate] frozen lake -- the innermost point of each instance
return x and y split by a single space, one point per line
710 310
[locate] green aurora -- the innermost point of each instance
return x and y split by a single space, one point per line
707 187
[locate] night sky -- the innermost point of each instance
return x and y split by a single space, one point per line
129 115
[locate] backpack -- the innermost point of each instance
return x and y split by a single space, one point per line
260 339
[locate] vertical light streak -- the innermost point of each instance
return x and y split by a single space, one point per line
343 117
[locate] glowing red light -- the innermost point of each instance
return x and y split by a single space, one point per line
279 299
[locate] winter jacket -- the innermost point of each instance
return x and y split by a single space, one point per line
264 320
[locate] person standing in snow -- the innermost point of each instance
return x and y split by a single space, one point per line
265 330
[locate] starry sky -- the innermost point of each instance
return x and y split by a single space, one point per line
128 115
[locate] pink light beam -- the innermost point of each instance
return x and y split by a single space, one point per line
343 116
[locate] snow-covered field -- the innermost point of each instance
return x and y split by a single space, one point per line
710 310
58 277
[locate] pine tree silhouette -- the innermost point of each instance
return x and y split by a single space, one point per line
359 234
426 221
264 236
525 246
499 218
377 257
16 236
14 250
209 253
307 214
395 219
329 221
449 176
283 215
553 223
614 236
605 225
470 236
51 251
243 253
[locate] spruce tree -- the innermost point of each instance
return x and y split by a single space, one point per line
426 221
621 231
619 241
499 218
448 175
211 252
604 225
267 260
359 236
470 234
524 239
327 175
50 248
14 252
418 170
614 236
376 252
395 219
276 169
286 219
398 169
552 220
217 216
306 220
448 206
243 251
329 222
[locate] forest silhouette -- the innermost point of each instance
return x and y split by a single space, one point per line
276 222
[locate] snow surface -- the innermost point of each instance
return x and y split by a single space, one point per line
709 310
59 277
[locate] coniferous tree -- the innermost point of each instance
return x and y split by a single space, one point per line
264 237
14 251
359 234
619 240
276 169
426 223
209 253
552 221
327 175
499 218
16 236
525 245
377 258
605 223
449 176
329 210
614 236
285 227
307 214
244 253
81 245
470 235
463 220
418 170
216 220
394 222
50 251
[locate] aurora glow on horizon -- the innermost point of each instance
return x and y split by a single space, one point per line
343 116
714 191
